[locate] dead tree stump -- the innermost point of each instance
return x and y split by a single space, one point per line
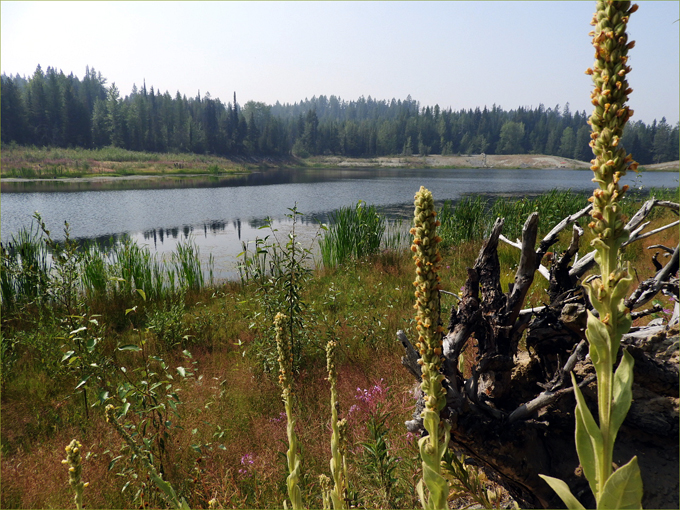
513 415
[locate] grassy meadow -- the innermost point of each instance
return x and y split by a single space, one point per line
191 365
58 163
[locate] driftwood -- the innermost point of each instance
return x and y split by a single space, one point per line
511 410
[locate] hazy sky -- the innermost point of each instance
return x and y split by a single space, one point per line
455 54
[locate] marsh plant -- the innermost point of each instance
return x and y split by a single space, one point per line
353 232
620 488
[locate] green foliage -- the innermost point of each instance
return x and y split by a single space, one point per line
471 219
378 462
280 270
354 232
469 481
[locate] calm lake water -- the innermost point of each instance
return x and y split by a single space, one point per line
221 214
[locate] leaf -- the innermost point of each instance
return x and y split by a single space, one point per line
182 371
91 344
563 491
124 411
623 489
142 293
130 347
68 355
133 309
588 438
76 331
82 383
598 337
623 395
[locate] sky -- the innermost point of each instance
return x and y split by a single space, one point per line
455 54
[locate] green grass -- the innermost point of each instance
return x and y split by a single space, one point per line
353 232
54 163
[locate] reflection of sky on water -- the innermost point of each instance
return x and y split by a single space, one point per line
220 217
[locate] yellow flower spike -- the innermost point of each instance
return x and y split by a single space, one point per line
75 471
432 447
607 294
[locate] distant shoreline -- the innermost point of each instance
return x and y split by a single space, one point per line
239 167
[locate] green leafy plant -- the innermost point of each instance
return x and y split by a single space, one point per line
379 462
595 443
280 270
429 345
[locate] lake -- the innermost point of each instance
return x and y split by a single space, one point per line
219 215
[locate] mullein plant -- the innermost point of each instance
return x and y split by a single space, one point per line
338 436
75 471
434 445
285 359
595 444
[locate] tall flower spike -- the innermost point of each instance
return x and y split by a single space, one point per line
286 380
595 441
338 464
75 471
427 258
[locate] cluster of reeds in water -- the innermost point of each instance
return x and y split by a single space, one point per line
26 269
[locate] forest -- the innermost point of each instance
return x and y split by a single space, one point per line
53 109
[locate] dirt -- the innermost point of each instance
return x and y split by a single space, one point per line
462 161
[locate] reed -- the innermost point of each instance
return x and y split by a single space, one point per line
28 276
354 232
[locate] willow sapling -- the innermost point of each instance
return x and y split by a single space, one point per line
595 444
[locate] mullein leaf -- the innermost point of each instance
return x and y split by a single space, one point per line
598 338
623 490
588 438
623 395
563 491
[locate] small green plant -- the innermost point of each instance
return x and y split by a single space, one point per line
280 270
621 488
429 345
468 481
380 464
144 457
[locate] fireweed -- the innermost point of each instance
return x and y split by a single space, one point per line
75 471
285 352
434 445
621 488
338 435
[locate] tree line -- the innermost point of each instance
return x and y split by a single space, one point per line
52 109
